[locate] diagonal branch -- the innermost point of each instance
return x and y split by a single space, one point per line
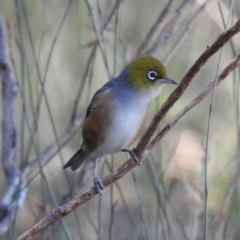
185 32
53 148
98 33
171 27
220 41
153 29
143 148
230 68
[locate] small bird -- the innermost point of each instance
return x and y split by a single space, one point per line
117 112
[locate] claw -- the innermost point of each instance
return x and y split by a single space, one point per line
98 185
132 155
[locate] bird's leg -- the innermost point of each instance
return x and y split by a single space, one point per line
97 181
132 155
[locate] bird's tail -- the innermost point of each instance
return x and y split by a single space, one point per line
77 159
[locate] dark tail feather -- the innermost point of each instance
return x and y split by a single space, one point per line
77 159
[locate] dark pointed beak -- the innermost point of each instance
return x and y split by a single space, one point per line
168 81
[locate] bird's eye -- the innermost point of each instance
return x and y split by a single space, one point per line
152 75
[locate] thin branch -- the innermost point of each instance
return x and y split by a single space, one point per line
42 79
15 192
61 211
53 148
171 27
185 32
98 33
110 15
153 29
230 68
84 78
143 221
220 41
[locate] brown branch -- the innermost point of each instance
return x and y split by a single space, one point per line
230 68
142 149
220 41
15 193
171 27
60 211
81 180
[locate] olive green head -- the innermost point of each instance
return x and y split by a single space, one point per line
147 72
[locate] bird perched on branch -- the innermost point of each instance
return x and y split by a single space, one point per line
117 112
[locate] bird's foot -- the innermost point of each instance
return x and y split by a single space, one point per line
98 185
133 156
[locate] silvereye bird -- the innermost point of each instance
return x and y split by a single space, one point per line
117 112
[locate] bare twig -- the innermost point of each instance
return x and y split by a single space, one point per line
142 148
98 32
185 32
53 148
171 27
143 220
110 15
80 180
153 29
84 78
15 192
42 79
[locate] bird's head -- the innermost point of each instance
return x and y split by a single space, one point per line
146 73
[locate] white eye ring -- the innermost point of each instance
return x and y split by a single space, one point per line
152 75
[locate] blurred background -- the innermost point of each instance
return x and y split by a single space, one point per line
59 64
